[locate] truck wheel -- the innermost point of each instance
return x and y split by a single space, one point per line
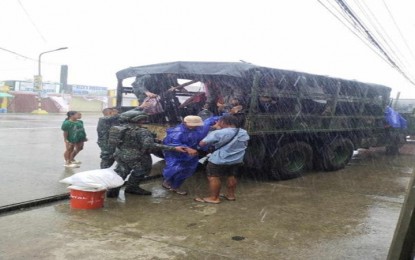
392 150
337 154
291 160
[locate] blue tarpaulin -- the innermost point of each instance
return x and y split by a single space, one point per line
394 119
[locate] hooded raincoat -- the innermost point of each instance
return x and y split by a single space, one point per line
180 166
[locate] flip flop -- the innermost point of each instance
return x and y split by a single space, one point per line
179 192
166 187
226 197
205 201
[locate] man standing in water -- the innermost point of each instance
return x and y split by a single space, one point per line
230 144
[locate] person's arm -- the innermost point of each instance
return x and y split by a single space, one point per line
148 143
211 138
150 94
83 129
101 130
65 136
64 128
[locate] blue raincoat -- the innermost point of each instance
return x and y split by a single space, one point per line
180 166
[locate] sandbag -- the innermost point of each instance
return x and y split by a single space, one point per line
99 179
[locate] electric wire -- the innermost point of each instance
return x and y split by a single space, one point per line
372 39
388 42
27 58
18 54
31 21
359 28
399 30
351 28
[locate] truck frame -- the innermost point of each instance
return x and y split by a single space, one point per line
317 124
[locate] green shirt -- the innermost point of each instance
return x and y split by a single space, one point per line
75 130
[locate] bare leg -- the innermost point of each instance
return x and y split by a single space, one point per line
78 147
214 189
68 152
231 187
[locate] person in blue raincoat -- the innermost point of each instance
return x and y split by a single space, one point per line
180 166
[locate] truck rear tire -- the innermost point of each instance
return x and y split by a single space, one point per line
337 154
392 150
291 160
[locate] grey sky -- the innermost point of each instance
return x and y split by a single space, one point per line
105 36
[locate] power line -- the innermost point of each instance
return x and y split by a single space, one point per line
350 28
384 36
372 39
31 21
362 29
27 58
384 40
399 30
17 54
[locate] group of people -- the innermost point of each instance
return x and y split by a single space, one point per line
220 137
123 139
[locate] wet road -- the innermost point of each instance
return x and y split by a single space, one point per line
347 214
31 158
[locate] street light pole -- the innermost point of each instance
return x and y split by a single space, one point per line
37 84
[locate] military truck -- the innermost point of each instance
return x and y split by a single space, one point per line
297 121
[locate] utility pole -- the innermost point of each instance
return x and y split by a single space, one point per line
37 83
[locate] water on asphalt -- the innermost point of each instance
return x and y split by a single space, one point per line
346 214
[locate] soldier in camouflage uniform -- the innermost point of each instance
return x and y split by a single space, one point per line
133 153
109 119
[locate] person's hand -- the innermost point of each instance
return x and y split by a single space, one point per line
151 95
191 151
145 105
216 125
236 109
219 104
180 149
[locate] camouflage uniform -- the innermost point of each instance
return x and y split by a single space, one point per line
133 154
103 128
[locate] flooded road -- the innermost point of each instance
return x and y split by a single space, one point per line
347 214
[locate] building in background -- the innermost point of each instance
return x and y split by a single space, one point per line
82 98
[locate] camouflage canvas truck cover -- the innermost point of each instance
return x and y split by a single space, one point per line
297 121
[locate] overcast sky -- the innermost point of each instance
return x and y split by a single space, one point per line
105 36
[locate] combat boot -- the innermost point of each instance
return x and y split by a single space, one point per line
133 187
113 193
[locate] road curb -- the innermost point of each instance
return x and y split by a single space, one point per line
33 203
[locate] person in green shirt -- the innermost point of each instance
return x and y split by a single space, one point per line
74 136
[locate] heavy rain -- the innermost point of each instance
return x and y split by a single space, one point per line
206 160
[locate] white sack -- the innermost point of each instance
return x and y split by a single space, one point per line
89 189
100 179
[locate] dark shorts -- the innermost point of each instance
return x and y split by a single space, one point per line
219 170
